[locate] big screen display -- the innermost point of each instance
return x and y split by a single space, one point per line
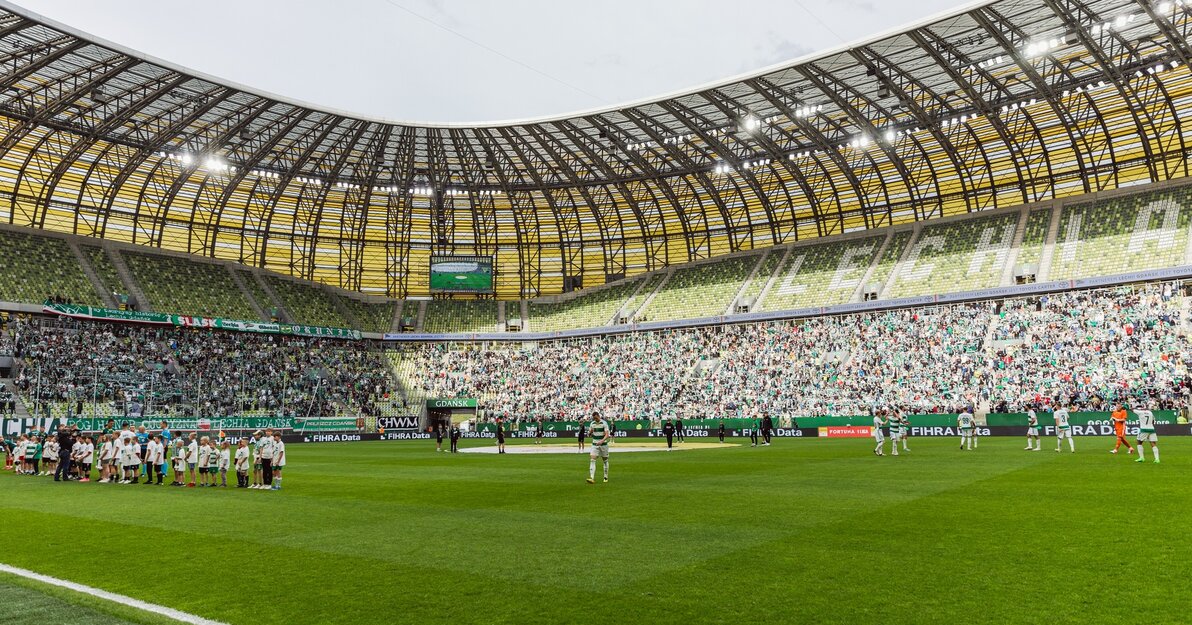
461 274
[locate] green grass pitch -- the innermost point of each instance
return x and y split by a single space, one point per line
805 531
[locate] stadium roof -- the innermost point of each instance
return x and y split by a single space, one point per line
997 104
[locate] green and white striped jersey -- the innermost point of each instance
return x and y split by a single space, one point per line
597 430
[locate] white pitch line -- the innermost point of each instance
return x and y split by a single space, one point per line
110 596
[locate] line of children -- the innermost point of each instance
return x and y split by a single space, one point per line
121 457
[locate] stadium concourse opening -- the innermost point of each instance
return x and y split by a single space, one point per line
614 447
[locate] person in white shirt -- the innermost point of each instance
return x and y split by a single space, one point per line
86 459
204 461
224 463
179 462
242 462
106 448
192 459
1146 434
279 460
877 435
255 443
265 453
155 453
76 456
49 456
130 459
1063 430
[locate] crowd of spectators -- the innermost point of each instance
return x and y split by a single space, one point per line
132 370
1089 348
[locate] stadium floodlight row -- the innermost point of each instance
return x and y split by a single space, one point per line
994 105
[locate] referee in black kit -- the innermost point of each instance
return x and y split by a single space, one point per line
668 430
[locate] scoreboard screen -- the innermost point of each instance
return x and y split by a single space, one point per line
461 274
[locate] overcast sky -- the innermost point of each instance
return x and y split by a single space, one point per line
471 60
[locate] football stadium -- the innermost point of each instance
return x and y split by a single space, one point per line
893 332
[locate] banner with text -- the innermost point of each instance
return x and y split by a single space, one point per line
184 321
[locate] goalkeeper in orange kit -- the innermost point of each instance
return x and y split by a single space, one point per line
1119 429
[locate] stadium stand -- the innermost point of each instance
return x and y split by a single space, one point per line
889 260
956 256
632 308
34 268
369 317
588 310
1140 231
178 285
460 316
308 304
196 372
1035 236
703 290
105 269
764 273
1089 347
822 274
256 292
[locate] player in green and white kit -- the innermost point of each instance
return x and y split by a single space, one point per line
1063 430
1032 430
877 435
601 435
895 432
964 421
1146 434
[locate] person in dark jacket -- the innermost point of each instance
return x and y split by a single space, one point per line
65 446
767 428
668 430
720 430
454 439
679 429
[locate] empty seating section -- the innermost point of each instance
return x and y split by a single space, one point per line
822 275
34 268
369 317
309 305
1034 237
256 292
589 310
1120 235
767 269
635 302
178 285
889 259
460 316
957 256
105 269
701 290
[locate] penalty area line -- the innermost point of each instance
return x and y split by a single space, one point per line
124 600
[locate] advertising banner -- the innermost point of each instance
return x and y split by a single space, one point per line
185 321
397 423
846 431
329 424
451 402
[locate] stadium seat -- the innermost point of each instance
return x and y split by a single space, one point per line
588 310
308 304
460 316
704 290
178 285
957 256
808 279
34 268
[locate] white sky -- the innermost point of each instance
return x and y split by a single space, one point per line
470 60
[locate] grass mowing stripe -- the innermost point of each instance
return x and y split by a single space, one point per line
174 616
